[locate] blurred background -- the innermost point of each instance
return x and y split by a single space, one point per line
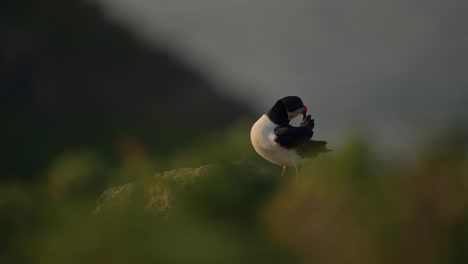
389 68
99 93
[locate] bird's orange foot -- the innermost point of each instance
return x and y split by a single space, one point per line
284 171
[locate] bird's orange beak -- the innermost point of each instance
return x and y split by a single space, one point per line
304 112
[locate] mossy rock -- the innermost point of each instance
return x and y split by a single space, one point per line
217 188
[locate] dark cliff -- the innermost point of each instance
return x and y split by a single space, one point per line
70 78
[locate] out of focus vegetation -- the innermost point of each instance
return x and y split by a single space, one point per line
346 207
85 107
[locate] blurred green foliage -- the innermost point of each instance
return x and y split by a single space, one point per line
349 206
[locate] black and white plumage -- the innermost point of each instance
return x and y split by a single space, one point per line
277 141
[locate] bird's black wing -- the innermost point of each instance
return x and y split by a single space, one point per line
292 137
299 137
307 121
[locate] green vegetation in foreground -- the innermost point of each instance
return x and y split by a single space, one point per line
347 207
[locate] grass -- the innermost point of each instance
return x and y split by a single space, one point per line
347 207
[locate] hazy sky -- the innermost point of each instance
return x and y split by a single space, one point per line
390 68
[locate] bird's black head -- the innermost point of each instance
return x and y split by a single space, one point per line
286 109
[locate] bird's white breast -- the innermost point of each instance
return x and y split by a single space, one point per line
263 138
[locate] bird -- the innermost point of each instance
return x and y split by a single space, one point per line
274 139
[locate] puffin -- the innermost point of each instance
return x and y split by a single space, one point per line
285 145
